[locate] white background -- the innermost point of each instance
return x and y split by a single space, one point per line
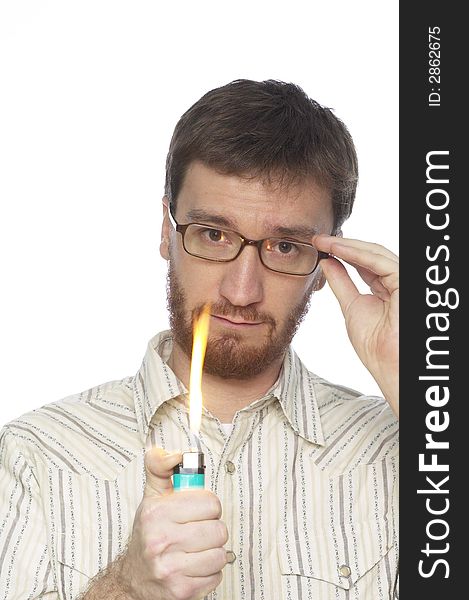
90 92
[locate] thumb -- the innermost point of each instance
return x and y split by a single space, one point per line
159 466
340 282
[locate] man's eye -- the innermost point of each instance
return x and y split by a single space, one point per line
282 249
285 247
215 235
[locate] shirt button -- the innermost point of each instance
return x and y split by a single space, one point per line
345 571
229 467
230 556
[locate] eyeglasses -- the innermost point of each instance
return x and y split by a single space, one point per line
281 255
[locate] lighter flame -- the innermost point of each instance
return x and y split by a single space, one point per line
199 346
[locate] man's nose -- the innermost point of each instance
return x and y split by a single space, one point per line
242 283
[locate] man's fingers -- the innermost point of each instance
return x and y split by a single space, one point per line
375 283
200 535
340 282
182 507
370 265
327 243
202 564
378 263
159 466
200 586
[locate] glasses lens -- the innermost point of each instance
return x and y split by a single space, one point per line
211 243
287 256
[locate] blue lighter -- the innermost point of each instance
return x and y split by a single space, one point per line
190 473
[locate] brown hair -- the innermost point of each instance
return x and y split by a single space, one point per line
270 130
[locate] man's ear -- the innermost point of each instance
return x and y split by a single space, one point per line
319 279
165 229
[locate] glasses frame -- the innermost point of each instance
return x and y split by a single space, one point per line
244 242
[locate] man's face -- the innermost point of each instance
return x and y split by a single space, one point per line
254 311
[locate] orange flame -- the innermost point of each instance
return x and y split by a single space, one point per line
199 346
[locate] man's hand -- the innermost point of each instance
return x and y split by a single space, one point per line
176 550
372 320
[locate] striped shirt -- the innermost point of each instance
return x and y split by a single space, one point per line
307 478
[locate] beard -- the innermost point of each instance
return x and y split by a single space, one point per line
228 355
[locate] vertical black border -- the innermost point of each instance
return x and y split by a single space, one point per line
425 128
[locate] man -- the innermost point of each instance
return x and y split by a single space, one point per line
301 499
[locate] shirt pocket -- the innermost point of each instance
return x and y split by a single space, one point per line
78 559
340 541
327 563
82 545
92 524
81 554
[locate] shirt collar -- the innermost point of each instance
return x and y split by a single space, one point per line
295 390
155 383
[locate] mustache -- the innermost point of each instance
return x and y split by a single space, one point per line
245 313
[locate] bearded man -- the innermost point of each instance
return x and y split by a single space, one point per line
301 498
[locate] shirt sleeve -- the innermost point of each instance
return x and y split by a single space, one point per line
25 568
